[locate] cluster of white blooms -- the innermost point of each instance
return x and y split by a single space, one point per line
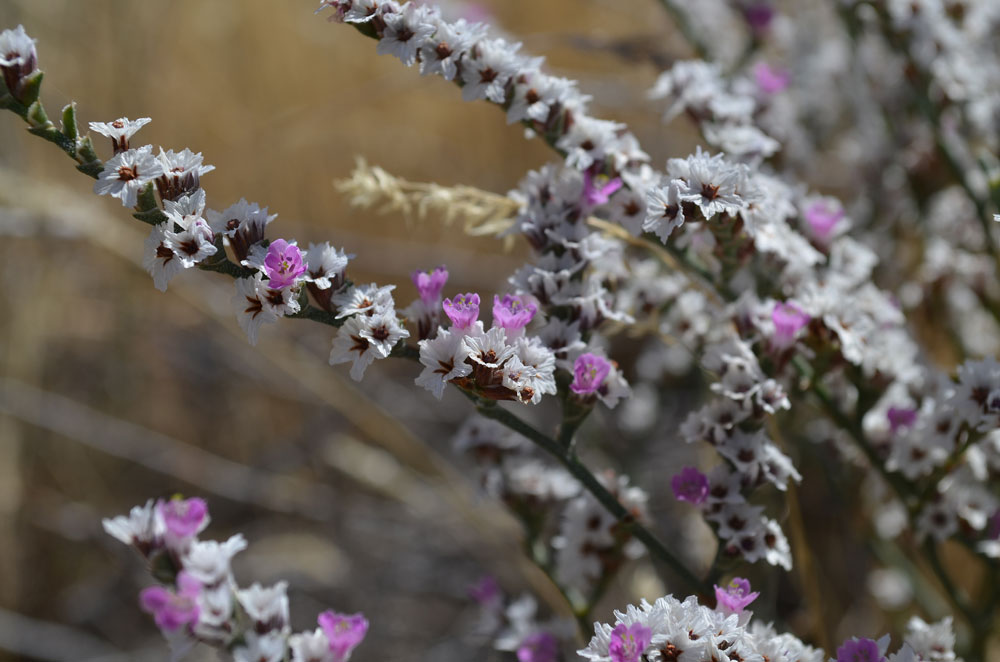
199 601
669 630
513 625
586 544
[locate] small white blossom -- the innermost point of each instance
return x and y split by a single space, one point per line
127 173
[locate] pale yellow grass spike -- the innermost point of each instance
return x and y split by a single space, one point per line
481 212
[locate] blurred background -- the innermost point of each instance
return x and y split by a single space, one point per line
112 393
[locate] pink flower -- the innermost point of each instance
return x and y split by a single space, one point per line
823 218
690 485
184 518
283 264
771 80
538 647
430 284
759 17
463 310
597 195
901 417
735 596
629 642
512 312
589 372
788 319
859 650
343 631
173 610
486 591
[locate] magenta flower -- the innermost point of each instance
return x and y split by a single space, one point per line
430 284
486 591
859 650
184 518
901 417
589 372
512 312
598 190
735 596
343 631
823 218
538 647
771 80
759 17
463 310
173 610
629 642
690 485
283 264
788 319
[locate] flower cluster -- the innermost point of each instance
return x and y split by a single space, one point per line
199 601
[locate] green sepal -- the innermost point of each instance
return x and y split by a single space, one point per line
147 198
90 163
31 88
37 117
69 127
152 216
162 567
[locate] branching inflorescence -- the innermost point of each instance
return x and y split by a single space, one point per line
760 282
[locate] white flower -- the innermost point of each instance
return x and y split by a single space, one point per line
362 11
257 648
126 174
664 212
368 299
531 371
208 560
182 172
487 73
267 607
142 526
710 182
120 130
443 358
192 245
252 306
159 259
489 350
364 338
310 647
588 141
440 54
406 31
17 51
326 264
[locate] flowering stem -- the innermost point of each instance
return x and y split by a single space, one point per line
491 410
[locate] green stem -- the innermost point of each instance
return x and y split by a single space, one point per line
590 482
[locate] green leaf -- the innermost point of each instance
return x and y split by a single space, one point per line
147 199
36 116
69 128
31 88
152 216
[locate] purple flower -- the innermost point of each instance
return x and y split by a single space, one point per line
172 610
788 319
512 312
597 193
690 485
589 372
463 310
429 284
538 647
759 17
283 264
184 518
822 218
771 80
629 642
486 591
993 527
859 650
901 417
735 596
344 632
